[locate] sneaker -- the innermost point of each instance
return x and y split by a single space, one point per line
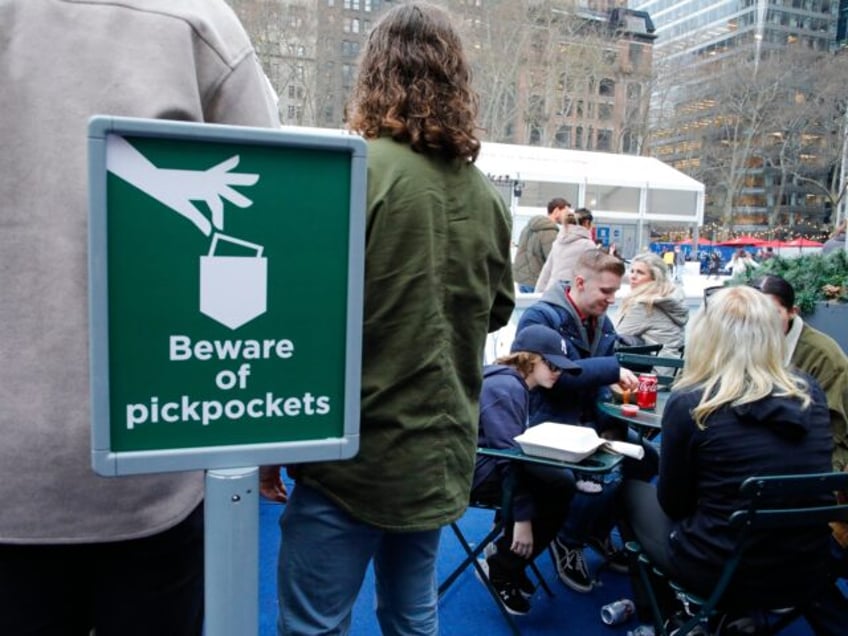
522 581
508 593
525 585
571 566
680 618
616 559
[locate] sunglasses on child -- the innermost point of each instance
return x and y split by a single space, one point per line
554 368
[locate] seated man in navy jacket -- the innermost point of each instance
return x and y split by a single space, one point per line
578 313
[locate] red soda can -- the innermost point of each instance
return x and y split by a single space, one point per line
646 394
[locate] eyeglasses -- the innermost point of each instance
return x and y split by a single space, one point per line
554 368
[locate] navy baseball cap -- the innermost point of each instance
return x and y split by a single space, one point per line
548 344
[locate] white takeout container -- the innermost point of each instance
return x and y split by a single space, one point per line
564 442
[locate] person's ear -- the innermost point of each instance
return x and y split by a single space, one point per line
579 282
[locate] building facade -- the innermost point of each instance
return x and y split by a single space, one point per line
764 164
564 73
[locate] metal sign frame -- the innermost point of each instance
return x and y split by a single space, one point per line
105 146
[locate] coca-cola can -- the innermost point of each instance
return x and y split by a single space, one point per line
646 394
618 612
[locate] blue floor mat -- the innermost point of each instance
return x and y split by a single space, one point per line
466 608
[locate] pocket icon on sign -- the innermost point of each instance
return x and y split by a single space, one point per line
233 289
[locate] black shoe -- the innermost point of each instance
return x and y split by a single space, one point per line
508 593
522 581
571 566
616 559
525 585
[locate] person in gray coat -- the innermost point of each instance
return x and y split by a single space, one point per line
655 312
80 553
837 241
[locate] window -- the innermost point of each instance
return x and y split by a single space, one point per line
563 137
605 111
291 91
604 140
348 72
290 111
606 88
635 55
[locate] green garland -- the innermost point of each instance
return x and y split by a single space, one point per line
815 277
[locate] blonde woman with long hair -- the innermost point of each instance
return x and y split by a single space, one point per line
655 311
736 411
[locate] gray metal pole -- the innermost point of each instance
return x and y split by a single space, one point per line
232 551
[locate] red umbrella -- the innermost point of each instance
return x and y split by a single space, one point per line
742 240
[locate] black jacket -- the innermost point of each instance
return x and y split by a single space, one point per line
700 475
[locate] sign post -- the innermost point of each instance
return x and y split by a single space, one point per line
226 268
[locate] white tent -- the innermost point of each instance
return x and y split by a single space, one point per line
624 192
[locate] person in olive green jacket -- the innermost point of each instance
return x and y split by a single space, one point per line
819 355
535 244
437 279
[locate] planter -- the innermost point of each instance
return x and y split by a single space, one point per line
832 319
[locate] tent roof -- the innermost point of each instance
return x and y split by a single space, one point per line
534 163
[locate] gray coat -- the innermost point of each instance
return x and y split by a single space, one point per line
835 243
62 63
663 323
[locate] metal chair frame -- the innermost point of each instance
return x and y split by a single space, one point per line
472 552
640 363
760 514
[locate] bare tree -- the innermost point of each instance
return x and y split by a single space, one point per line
808 145
284 36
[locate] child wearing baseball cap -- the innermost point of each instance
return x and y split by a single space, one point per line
540 494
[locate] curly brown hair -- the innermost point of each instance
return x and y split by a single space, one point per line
414 84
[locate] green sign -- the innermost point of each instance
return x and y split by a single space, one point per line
226 295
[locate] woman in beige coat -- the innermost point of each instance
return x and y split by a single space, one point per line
574 238
655 311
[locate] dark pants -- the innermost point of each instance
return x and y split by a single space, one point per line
552 490
138 587
646 522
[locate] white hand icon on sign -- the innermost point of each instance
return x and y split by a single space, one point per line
178 188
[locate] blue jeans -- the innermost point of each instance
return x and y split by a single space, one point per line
526 289
323 559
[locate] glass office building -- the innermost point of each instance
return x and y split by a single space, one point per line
705 37
698 27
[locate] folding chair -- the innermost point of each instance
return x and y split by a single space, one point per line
762 514
640 363
646 349
472 554
652 350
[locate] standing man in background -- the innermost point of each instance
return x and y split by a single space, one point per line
535 243
437 279
679 264
78 552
